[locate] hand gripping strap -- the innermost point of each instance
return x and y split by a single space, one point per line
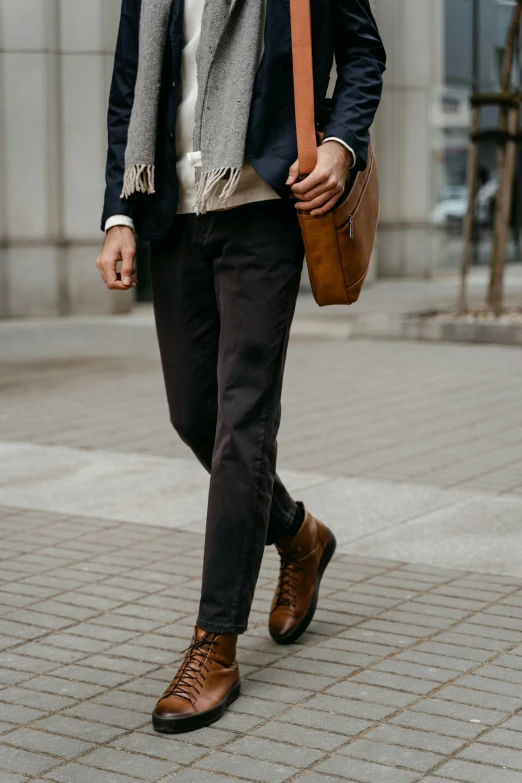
301 26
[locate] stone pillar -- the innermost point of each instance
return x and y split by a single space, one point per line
413 35
55 66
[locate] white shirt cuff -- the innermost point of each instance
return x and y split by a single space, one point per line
334 138
119 220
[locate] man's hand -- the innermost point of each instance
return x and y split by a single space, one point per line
322 189
119 245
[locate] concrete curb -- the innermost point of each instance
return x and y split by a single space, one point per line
410 326
416 327
322 328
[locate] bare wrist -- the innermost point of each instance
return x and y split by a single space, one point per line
121 228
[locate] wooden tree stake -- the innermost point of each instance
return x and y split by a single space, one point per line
468 220
503 215
506 169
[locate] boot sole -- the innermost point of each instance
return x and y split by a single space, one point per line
301 627
198 721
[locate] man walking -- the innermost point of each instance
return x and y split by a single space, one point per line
202 163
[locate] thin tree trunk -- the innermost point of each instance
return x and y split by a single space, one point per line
502 216
506 159
507 65
507 70
468 220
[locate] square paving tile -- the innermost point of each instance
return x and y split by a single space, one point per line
423 682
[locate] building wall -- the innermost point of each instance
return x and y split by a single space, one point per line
494 17
55 65
475 35
413 32
55 68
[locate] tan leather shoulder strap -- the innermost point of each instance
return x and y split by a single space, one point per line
301 26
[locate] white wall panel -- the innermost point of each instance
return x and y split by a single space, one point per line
33 281
412 32
24 25
84 144
55 67
81 25
110 21
26 137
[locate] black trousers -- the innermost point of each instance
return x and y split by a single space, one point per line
224 287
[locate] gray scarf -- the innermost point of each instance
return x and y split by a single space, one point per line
226 64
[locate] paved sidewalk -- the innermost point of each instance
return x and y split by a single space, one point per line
410 451
412 669
443 415
407 674
383 299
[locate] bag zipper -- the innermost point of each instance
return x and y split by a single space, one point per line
349 219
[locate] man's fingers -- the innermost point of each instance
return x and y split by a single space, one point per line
118 281
323 198
317 177
293 173
127 270
99 266
119 246
119 285
319 190
330 204
133 280
107 266
107 269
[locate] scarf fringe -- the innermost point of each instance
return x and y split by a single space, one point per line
208 185
138 179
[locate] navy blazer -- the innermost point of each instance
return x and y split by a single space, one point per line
345 29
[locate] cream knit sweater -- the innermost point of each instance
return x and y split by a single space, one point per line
251 186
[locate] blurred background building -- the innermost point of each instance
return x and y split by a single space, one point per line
55 69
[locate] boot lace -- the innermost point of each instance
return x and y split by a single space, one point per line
287 585
191 676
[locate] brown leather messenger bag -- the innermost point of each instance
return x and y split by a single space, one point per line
339 244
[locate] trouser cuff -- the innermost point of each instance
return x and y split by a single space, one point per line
214 628
284 523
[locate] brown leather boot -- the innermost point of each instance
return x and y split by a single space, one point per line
206 683
303 561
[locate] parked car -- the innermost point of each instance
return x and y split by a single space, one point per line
451 208
485 203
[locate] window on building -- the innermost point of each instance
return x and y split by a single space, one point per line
498 61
